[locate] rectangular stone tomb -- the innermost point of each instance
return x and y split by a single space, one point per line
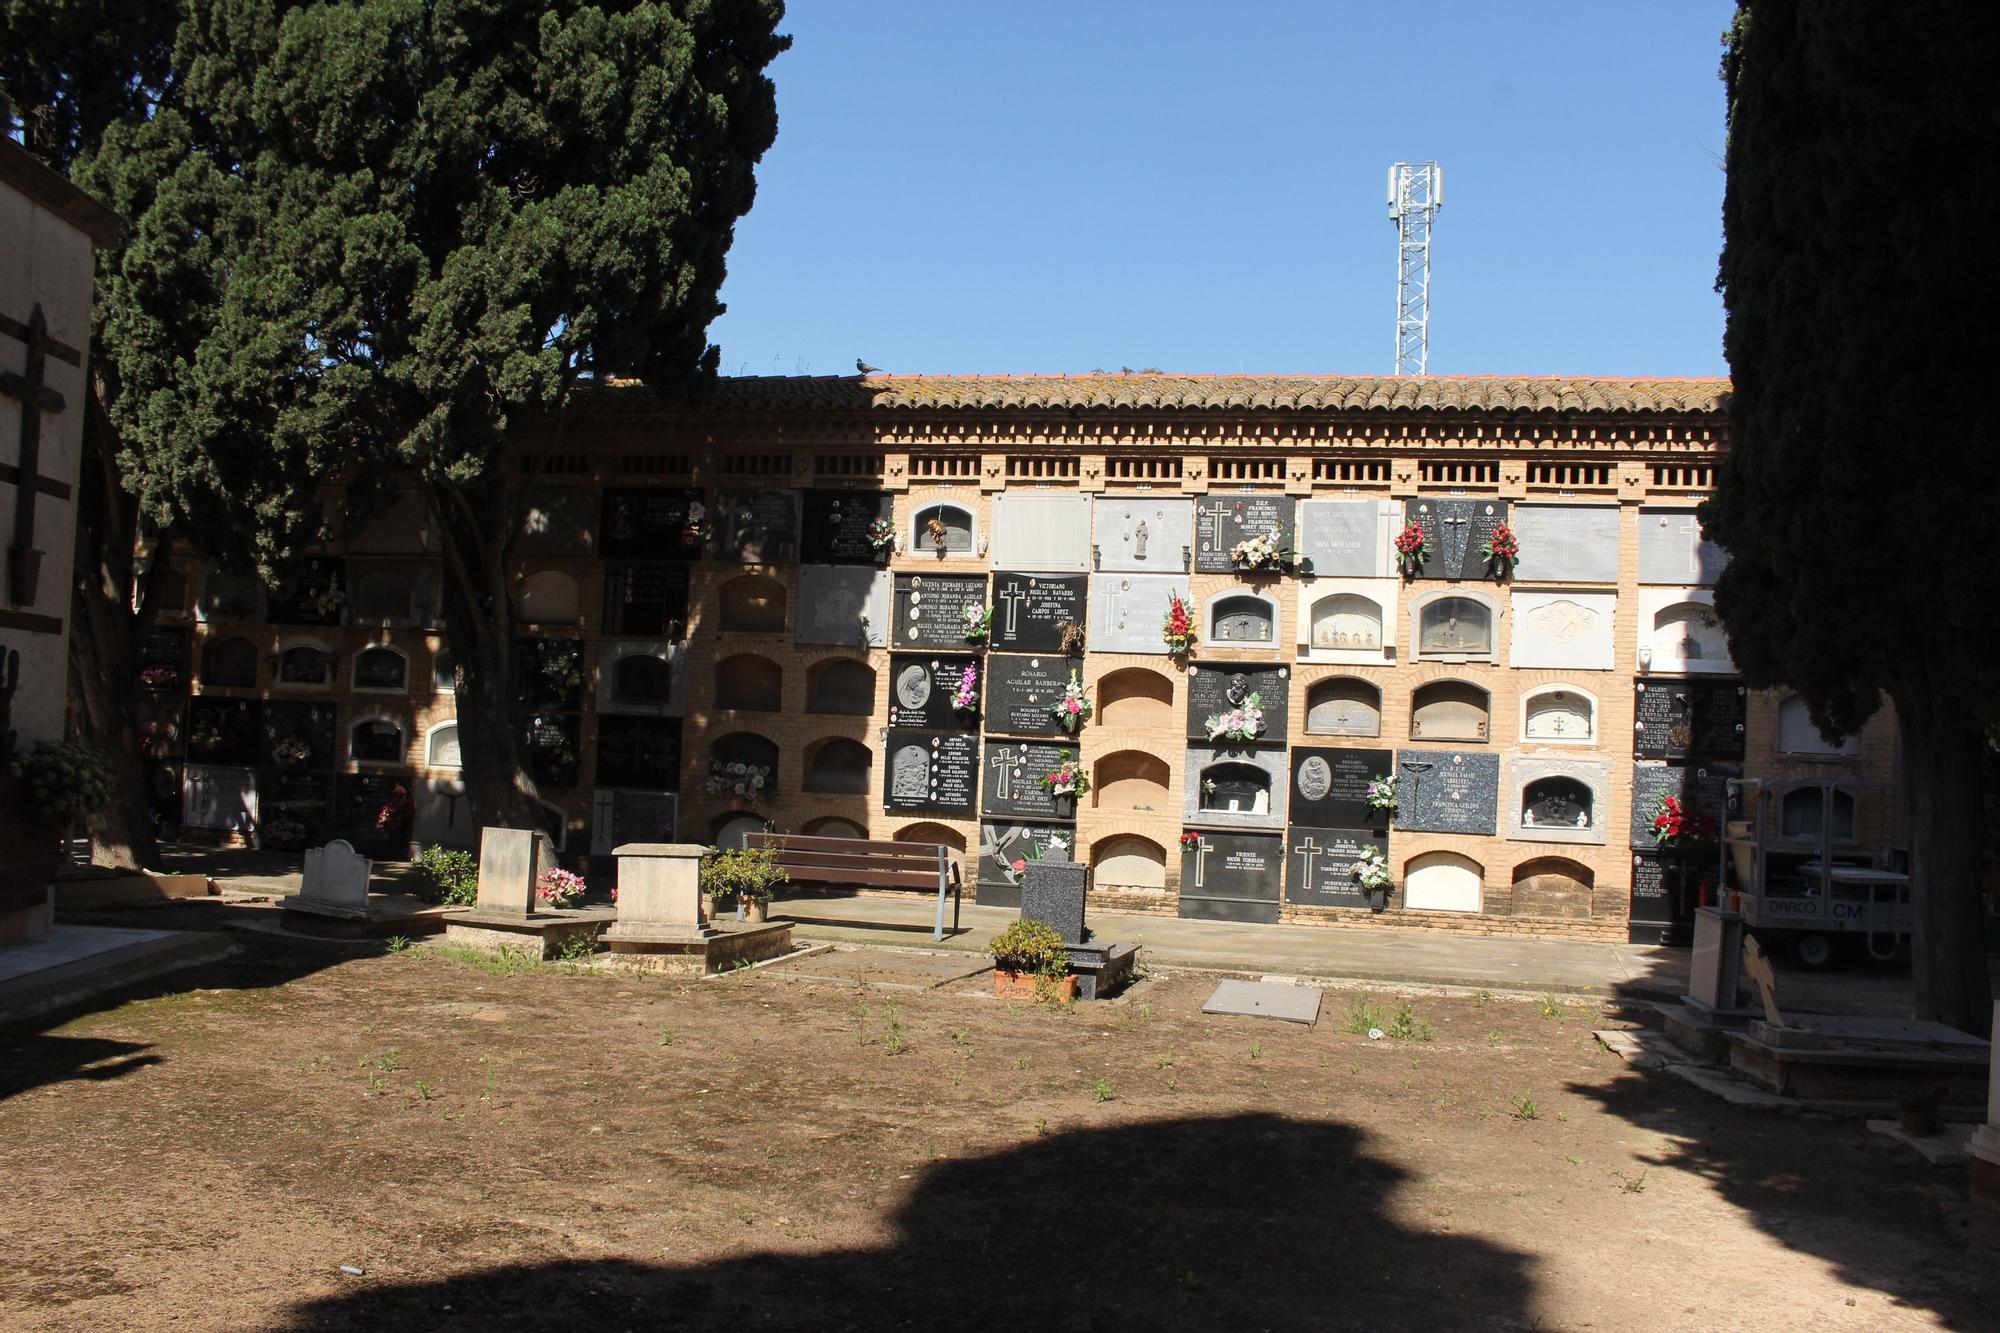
335 882
1218 688
1012 780
845 605
1232 877
1678 718
1458 531
757 527
835 526
930 609
1330 785
1702 789
653 523
1265 999
1127 611
1022 691
1566 543
1032 612
1143 534
1447 791
1003 845
1053 892
1223 519
1236 786
1319 864
1344 538
923 689
931 771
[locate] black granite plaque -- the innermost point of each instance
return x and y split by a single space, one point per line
1447 791
922 687
1031 611
932 771
646 600
1330 786
1678 718
165 652
1457 530
930 609
1221 520
1232 877
1702 789
1002 845
374 812
225 732
294 809
757 527
1021 691
316 594
1319 864
836 525
1011 785
298 736
653 523
1666 890
639 752
548 673
1216 688
550 741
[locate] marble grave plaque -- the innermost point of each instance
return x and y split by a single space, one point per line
930 609
225 732
1045 533
1702 789
1672 550
844 605
1030 610
834 526
1021 690
653 522
1232 877
1458 530
1566 543
648 600
315 595
1319 864
1002 843
1011 782
621 817
1222 519
1234 786
219 798
1139 534
289 727
1344 538
1330 785
167 650
1215 688
757 527
921 688
294 809
1128 610
375 811
931 771
1679 718
1447 791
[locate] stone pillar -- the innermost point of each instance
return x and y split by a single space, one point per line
1985 1143
659 891
510 861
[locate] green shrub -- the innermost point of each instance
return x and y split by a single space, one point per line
64 780
448 877
1028 946
747 873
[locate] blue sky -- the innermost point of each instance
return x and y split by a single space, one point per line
1027 186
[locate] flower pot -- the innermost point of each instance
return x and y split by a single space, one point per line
756 910
1378 899
1028 986
1064 804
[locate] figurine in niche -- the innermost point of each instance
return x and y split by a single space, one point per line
938 533
1139 536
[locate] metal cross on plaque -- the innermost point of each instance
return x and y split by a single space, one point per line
1307 852
1013 597
1454 533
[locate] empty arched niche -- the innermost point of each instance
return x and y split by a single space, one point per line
1343 706
1347 622
170 592
548 598
441 747
1132 780
835 828
1233 788
1557 802
230 662
381 597
642 678
1242 619
1688 632
1798 735
381 667
753 604
1128 864
749 683
1135 698
1560 714
1802 813
945 529
1450 710
376 740
841 685
839 766
1552 886
1442 882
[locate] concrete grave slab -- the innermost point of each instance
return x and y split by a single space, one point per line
1261 999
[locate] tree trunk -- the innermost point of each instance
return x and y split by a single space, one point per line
1942 763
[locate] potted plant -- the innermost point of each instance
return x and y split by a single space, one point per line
1412 549
1030 961
51 786
1177 626
978 623
965 699
748 874
1064 783
1381 795
1074 708
1502 552
1371 872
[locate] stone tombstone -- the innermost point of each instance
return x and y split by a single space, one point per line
930 609
225 732
1011 786
1666 891
931 771
1127 611
643 752
1681 719
219 798
659 889
1458 530
1003 844
922 687
1030 611
1043 533
653 523
646 599
335 880
1566 543
1021 693
1568 630
1232 877
619 817
511 861
1702 789
1251 786
1448 791
560 520
294 809
316 594
1215 688
1330 786
845 605
1319 864
1221 520
1141 534
444 814
757 526
1672 550
1344 538
298 735
834 526
1052 892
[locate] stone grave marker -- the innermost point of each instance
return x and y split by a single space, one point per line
1344 538
653 523
1701 787
1002 844
619 817
1319 861
1030 611
1570 630
1666 888
659 891
1447 791
1330 785
845 605
931 771
298 735
1128 610
444 814
757 526
1011 786
922 687
930 609
219 798
225 732
1022 690
1052 892
1672 550
1232 877
1215 688
1143 534
1043 533
1566 543
511 860
1458 531
1222 519
1677 718
835 524
335 881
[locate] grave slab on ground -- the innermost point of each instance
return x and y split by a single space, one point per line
889 968
1264 999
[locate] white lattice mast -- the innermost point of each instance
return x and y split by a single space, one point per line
1416 192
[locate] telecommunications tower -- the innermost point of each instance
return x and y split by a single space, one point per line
1416 192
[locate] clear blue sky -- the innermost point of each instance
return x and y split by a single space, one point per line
1033 186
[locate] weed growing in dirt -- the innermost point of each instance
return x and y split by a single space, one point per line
958 1039
384 1062
957 1078
577 949
1103 1091
1256 1050
487 1063
746 1214
510 961
424 1088
1367 1014
1405 1024
1020 1062
1526 1108
1493 1036
1483 998
322 1062
1164 1060
400 944
894 1037
1631 1184
1550 1007
666 1036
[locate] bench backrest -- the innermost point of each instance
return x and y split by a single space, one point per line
860 861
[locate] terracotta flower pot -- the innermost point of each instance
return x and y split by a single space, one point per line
1028 986
757 910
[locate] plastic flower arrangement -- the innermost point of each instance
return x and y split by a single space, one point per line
159 677
291 751
1412 548
559 888
966 697
978 623
1673 822
1260 552
1190 840
1371 869
735 777
1382 793
1503 551
331 600
395 812
1074 708
1177 627
881 534
1066 778
1242 723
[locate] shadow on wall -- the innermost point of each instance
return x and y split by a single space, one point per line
1242 1222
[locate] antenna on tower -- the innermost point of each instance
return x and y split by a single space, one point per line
1416 192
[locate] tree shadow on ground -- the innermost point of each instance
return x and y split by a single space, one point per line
1875 1212
40 1059
1239 1222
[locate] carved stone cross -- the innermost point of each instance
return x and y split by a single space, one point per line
1201 850
1758 968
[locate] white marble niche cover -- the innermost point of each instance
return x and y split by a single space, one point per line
1142 534
1568 630
1041 534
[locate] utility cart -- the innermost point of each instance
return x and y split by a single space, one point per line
1810 860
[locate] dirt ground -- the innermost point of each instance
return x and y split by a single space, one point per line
842 1147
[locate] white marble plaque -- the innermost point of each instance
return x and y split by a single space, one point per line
1672 550
1143 535
1571 630
1566 543
844 604
1041 534
1127 611
1346 538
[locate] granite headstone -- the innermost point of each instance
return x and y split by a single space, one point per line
653 522
1222 519
1319 864
1053 892
835 526
1330 786
1011 785
1002 845
1447 791
930 609
1232 877
642 752
932 771
1215 688
1457 530
844 605
1678 718
757 527
923 688
1022 690
1031 611
1343 538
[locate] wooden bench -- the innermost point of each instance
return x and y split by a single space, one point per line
863 863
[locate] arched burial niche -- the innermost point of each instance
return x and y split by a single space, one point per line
842 686
728 831
1343 706
229 596
1560 714
1233 788
1456 627
749 683
1346 622
942 529
1798 735
753 604
548 598
1135 698
1132 780
1242 619
835 828
230 663
1128 864
1687 632
441 747
642 680
305 664
376 740
839 766
1803 814
1557 802
1442 882
1450 710
1552 886
380 667
743 766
